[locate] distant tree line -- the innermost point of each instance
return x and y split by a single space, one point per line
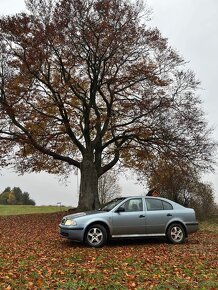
15 196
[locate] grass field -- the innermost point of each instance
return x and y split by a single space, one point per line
33 256
29 209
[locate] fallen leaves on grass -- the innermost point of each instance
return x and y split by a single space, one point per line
33 256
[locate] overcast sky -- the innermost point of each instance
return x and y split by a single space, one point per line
191 28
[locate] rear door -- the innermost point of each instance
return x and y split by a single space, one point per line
158 214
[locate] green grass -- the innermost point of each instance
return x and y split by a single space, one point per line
210 225
29 209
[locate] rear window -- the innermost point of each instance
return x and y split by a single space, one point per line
167 205
157 204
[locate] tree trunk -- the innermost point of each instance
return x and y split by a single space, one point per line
88 197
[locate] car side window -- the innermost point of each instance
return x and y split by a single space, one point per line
134 204
167 205
154 204
157 204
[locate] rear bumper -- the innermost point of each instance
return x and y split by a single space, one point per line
191 227
74 234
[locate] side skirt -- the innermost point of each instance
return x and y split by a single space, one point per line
138 235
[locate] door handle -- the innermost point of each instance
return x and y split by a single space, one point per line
169 214
141 216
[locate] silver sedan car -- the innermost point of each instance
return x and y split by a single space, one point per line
128 217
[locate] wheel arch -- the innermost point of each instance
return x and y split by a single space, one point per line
102 223
177 222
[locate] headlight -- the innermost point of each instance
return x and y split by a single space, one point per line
70 223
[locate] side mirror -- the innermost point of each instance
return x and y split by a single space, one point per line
120 209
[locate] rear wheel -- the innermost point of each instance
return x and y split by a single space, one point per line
96 236
176 233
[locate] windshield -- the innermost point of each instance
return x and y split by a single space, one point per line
111 204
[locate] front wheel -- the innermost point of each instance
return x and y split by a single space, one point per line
176 234
96 236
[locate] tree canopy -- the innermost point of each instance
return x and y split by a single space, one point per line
87 84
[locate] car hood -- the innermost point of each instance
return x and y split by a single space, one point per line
81 214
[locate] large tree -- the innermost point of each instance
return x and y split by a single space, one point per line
86 84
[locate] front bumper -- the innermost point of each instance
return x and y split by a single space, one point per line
72 233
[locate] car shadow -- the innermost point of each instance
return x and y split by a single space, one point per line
118 242
136 241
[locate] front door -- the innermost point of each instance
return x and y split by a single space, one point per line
129 220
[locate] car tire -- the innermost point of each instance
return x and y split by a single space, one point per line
176 233
96 236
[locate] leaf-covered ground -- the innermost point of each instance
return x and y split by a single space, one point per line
33 256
